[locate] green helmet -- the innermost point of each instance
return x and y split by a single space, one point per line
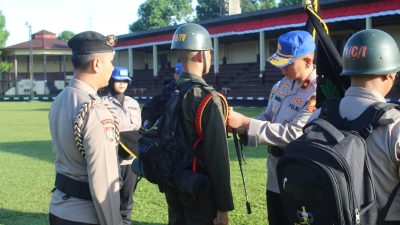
191 36
370 52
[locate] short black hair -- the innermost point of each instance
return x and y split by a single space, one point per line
81 61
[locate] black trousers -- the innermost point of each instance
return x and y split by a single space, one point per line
129 180
276 215
186 209
54 220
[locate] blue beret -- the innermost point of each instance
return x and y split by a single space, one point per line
91 42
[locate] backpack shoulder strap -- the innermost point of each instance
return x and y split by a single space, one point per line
383 212
364 124
371 118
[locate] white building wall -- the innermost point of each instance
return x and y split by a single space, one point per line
243 52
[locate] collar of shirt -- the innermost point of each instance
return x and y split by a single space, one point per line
188 76
303 85
75 83
364 93
311 79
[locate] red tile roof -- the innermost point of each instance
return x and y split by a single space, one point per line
41 40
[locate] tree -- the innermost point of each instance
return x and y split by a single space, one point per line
248 5
289 2
154 14
4 66
207 9
267 4
65 35
252 5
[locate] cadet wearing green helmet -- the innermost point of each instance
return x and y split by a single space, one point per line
192 44
372 59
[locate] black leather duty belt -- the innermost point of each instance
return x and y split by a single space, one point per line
275 151
74 188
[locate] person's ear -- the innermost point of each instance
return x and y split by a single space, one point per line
307 61
96 65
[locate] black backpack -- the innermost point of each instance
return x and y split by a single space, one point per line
325 176
165 158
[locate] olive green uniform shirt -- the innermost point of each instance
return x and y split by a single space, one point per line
213 150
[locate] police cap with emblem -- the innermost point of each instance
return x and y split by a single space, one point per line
91 42
291 46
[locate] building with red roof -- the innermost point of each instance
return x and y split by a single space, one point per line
51 60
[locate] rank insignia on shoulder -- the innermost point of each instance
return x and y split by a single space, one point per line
305 84
281 92
285 85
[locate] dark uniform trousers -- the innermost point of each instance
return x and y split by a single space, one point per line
187 209
126 193
54 220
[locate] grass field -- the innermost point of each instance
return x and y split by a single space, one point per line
27 173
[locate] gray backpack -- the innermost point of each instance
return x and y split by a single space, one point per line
325 175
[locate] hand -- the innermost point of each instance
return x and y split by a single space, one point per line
222 218
237 120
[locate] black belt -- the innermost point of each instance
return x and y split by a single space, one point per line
74 188
275 151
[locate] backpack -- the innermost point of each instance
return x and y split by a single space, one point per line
325 175
165 158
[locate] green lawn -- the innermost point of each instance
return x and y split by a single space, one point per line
27 173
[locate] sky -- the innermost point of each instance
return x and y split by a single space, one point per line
106 17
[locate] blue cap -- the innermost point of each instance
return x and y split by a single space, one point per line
291 46
178 68
120 74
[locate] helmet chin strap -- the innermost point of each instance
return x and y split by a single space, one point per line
204 62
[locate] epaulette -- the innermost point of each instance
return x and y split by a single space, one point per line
80 118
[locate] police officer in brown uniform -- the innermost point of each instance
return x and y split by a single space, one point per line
372 59
291 102
84 135
128 112
193 46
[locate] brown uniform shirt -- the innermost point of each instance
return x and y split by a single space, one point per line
214 149
99 168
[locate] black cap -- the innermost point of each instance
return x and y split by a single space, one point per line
91 42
